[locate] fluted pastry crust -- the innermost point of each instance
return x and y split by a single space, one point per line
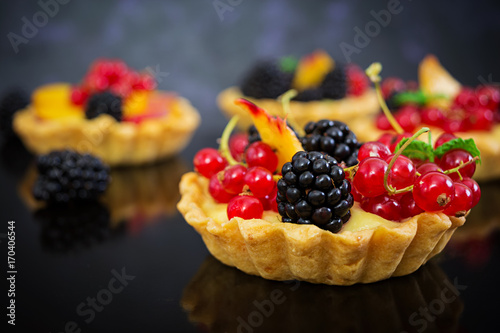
116 143
345 109
286 251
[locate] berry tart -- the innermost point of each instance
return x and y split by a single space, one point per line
284 211
445 106
326 90
115 114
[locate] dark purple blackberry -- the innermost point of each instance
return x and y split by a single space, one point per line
266 80
333 138
253 135
104 102
309 95
66 176
12 101
313 190
76 226
391 102
334 84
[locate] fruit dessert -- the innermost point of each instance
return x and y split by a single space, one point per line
115 113
443 104
284 210
326 90
222 299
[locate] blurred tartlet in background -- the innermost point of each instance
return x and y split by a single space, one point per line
115 113
326 90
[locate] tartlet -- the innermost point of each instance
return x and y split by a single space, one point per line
375 251
354 100
153 124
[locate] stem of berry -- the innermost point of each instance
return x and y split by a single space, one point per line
373 72
285 103
224 141
351 171
462 164
391 190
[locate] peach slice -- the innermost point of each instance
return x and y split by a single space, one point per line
312 69
273 131
434 79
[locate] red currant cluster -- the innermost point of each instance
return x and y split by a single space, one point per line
396 187
247 186
114 76
472 109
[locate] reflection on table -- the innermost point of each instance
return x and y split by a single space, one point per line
223 299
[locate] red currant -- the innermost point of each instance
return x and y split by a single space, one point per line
453 125
234 178
383 123
409 207
443 138
461 203
386 139
373 149
260 154
392 85
398 138
217 191
245 206
433 191
453 159
489 96
428 167
467 99
237 144
384 206
369 179
476 190
481 119
357 81
209 162
402 173
408 117
269 201
432 116
260 181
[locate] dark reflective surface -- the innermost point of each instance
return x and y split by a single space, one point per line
133 253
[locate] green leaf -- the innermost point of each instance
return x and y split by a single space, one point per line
417 149
469 145
288 64
417 97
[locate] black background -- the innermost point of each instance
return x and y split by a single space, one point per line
204 53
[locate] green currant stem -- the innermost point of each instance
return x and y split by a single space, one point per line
391 190
224 141
276 177
285 103
462 164
373 73
350 170
431 157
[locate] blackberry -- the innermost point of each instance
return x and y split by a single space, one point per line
334 84
391 102
66 176
253 135
309 95
313 190
73 227
12 101
266 80
333 138
104 102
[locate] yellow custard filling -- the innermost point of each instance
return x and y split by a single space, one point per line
360 220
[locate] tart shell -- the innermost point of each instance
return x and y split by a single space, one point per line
345 109
116 143
286 251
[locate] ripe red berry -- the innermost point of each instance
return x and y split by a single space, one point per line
402 173
397 139
476 190
409 207
481 119
260 181
369 179
237 144
208 162
386 139
462 201
233 178
357 81
453 125
453 159
373 149
269 201
428 167
79 95
245 206
443 138
260 154
217 191
382 122
433 191
408 117
392 85
384 206
432 116
467 99
488 96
